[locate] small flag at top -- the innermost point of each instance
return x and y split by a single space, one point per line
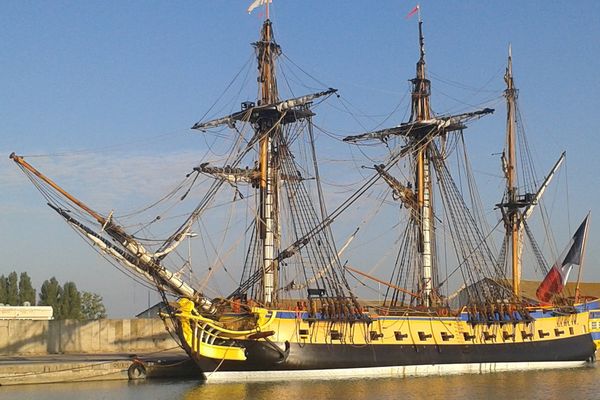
413 11
258 3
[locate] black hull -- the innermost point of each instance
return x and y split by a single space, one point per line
263 357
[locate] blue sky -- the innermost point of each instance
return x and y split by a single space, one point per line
110 89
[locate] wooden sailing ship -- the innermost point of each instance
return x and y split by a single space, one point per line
294 314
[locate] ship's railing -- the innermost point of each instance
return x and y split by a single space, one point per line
207 341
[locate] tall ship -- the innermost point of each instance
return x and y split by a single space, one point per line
294 313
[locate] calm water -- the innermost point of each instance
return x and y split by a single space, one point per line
580 383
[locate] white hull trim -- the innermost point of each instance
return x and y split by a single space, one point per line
387 372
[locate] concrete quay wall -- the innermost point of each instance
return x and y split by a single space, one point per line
23 337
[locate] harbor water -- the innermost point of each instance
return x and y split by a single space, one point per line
578 383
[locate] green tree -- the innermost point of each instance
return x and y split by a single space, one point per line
92 306
2 289
12 289
70 302
26 290
50 295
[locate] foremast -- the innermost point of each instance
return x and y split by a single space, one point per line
276 178
266 118
269 132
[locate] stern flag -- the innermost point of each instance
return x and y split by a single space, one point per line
557 278
258 3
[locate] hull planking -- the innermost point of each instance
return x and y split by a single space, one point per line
301 347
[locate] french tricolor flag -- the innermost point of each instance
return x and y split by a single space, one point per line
557 278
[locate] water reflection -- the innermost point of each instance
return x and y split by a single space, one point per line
567 384
107 390
555 384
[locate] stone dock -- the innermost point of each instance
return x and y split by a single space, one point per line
71 351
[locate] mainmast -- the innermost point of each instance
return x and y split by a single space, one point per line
269 132
421 111
420 133
511 215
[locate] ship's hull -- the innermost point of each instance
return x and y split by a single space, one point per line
331 361
224 375
594 307
402 346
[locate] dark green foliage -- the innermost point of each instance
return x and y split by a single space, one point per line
70 302
92 306
26 290
66 301
50 295
12 289
2 289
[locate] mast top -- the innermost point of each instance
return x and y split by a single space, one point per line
508 76
421 62
421 86
421 41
